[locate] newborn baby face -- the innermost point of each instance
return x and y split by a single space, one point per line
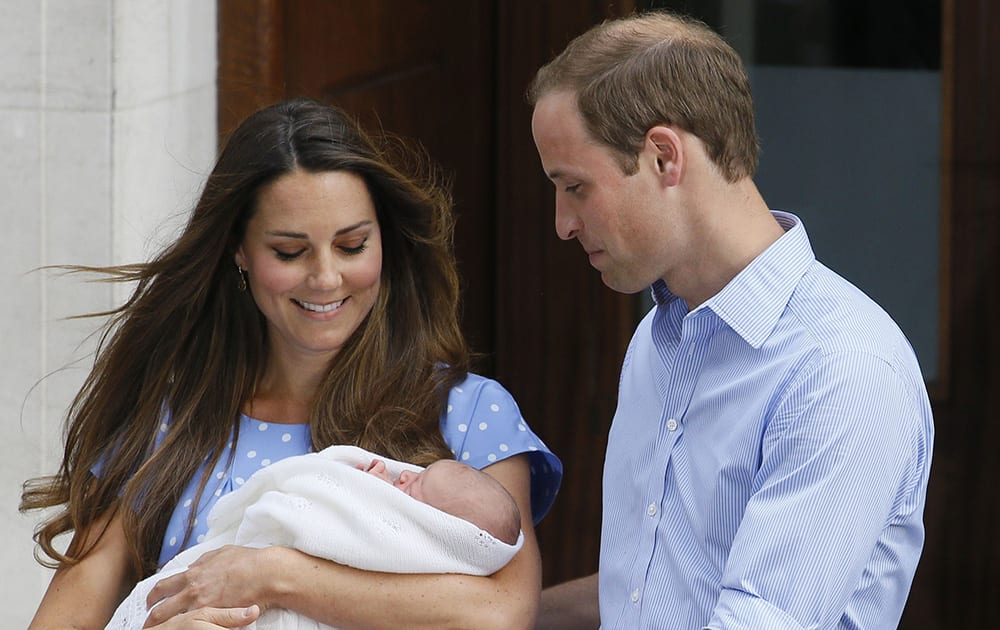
462 491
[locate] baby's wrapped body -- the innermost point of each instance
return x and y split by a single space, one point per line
324 504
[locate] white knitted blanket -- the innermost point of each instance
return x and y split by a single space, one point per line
323 505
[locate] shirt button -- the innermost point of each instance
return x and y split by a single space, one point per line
691 350
651 510
635 596
671 425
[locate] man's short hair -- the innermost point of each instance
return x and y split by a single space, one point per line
657 68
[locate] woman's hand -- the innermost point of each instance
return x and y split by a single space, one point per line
207 618
227 578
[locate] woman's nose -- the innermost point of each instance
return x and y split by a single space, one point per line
325 274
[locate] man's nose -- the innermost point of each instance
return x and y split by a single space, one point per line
567 221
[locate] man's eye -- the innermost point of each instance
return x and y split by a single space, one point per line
572 188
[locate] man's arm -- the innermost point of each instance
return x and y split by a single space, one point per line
840 493
571 605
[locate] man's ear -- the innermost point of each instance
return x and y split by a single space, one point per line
667 151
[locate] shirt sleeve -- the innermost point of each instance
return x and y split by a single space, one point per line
844 462
483 425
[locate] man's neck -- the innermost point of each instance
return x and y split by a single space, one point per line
733 227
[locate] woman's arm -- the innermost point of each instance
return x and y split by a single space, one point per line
85 594
341 596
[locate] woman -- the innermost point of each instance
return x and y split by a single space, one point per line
311 300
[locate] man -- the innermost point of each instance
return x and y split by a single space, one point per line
768 461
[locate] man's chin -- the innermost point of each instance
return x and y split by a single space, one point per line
618 284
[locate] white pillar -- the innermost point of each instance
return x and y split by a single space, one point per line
107 128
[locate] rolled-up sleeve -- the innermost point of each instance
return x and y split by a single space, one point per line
843 467
738 610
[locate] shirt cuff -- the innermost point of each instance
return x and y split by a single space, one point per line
739 610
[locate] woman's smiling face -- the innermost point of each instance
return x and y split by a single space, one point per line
313 255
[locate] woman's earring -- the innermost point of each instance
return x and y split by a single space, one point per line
242 284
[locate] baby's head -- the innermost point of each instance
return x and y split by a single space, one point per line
467 493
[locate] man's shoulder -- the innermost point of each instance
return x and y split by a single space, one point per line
838 315
828 317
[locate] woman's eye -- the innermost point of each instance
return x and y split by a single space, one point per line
284 255
354 250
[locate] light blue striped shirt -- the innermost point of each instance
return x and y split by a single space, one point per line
768 460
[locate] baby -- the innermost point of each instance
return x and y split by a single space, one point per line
335 504
461 491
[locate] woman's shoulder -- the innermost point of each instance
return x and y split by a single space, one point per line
474 385
478 396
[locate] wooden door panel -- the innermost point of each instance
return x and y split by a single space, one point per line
561 334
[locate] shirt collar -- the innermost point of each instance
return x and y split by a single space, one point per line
753 301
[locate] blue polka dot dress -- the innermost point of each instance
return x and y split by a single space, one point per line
482 425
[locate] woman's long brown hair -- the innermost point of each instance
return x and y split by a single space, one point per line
188 340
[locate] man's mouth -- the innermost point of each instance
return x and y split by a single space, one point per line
320 308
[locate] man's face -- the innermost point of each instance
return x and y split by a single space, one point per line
618 219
